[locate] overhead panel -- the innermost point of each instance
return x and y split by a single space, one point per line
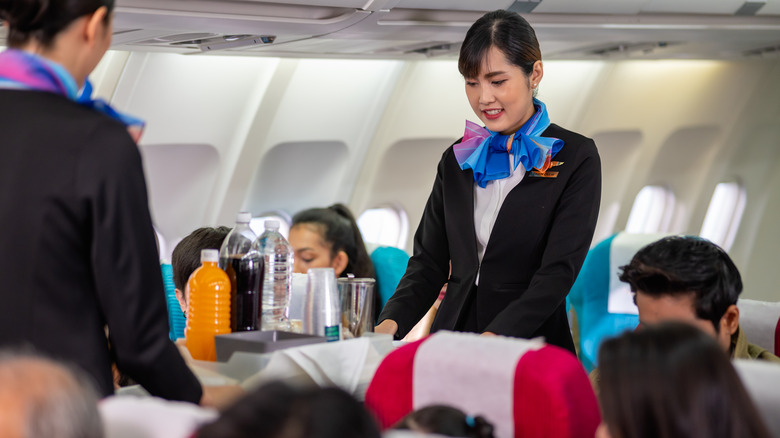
229 24
590 6
455 5
721 7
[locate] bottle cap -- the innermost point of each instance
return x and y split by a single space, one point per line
209 255
243 217
272 224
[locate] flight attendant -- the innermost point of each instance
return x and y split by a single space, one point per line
513 206
77 248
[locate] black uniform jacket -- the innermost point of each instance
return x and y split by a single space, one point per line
537 246
77 249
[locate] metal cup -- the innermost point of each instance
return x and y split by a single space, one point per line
321 314
357 305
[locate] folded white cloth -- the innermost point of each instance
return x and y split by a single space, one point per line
151 417
347 364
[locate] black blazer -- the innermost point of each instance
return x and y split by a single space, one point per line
537 246
77 249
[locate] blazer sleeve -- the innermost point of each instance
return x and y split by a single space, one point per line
125 268
428 267
571 232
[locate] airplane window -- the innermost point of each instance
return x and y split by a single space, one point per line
257 224
652 210
724 214
385 226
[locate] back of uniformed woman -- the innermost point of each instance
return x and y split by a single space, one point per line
77 251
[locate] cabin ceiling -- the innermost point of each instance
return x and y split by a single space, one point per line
420 29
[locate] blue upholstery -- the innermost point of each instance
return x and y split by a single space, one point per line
589 296
390 265
176 319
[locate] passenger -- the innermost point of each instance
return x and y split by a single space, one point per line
329 238
672 380
513 206
82 253
186 258
446 421
279 411
40 398
691 279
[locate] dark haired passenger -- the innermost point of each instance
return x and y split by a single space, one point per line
329 238
276 410
186 257
82 253
513 206
691 279
672 381
446 421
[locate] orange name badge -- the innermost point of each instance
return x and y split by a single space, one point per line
547 174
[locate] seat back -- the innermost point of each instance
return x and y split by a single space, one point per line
524 387
762 382
604 305
760 321
389 265
176 319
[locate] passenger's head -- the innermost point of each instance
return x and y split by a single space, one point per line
77 29
186 257
329 238
686 279
447 421
501 62
672 380
279 411
42 399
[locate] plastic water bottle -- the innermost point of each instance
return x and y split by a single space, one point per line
244 268
208 309
277 282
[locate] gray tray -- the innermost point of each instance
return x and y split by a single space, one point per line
260 342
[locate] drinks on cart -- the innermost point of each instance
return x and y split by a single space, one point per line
244 268
208 308
277 257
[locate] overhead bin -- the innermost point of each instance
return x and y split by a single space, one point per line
156 24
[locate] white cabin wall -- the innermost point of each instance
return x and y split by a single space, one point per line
373 132
191 100
424 116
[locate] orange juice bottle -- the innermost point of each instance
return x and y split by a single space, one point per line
208 308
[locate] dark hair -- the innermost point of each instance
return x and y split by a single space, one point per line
509 33
447 421
673 380
683 265
42 20
277 410
186 256
338 228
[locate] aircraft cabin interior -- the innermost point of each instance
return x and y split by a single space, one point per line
277 107
273 107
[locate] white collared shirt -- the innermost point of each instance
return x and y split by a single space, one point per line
488 202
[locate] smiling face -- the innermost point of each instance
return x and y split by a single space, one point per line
502 94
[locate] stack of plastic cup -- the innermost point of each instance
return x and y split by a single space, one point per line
208 309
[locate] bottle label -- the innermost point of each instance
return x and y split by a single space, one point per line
332 333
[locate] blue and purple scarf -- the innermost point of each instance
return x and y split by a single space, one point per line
485 152
25 71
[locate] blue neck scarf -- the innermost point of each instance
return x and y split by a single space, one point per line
485 152
25 71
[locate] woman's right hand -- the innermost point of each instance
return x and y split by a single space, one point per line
387 326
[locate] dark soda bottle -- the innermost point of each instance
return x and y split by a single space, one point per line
244 268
